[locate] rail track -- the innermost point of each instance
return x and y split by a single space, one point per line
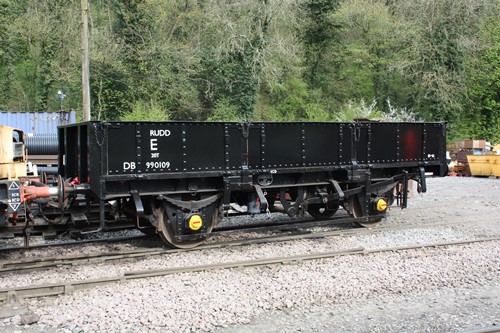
72 243
36 264
491 329
11 294
219 231
283 224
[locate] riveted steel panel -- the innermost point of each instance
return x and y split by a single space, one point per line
160 147
121 154
117 157
284 145
322 143
410 142
235 146
255 146
434 142
383 143
204 147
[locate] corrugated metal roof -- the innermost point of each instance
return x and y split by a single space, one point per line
37 122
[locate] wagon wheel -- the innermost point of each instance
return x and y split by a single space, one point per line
166 231
357 211
321 211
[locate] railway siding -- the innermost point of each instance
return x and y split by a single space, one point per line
449 289
8 295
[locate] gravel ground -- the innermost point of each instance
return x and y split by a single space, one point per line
427 290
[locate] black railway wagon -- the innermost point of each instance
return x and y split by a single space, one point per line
178 178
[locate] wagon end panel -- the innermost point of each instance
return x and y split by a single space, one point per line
435 148
75 154
121 148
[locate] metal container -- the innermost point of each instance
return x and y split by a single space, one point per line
479 165
38 122
495 165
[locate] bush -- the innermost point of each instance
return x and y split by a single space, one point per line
146 112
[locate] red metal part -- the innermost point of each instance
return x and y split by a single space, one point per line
75 181
34 192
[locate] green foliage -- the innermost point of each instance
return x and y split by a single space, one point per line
143 111
292 101
37 59
446 35
4 54
371 43
225 111
109 91
235 83
484 80
240 60
319 34
242 41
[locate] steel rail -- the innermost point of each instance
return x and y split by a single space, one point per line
11 294
298 258
29 265
74 242
307 222
491 329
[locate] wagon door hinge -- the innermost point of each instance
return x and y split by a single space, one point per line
245 132
245 127
357 133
